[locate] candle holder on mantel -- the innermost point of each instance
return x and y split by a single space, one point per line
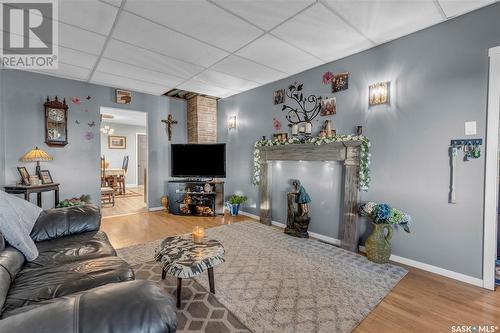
198 234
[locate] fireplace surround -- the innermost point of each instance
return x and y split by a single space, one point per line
346 152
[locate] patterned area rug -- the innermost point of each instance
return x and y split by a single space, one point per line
277 283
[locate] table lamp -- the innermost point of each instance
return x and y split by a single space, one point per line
36 155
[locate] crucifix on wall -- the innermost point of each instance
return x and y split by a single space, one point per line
169 122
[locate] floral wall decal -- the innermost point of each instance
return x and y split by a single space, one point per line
327 78
76 100
307 108
276 124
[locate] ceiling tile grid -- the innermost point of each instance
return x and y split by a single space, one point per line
223 47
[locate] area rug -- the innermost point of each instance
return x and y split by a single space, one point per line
273 282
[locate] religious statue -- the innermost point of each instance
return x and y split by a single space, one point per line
298 219
169 122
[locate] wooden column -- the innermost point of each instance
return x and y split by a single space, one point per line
350 204
265 190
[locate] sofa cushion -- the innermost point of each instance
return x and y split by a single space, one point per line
17 218
2 242
86 246
39 284
11 261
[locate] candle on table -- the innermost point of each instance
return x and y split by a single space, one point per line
198 234
302 129
295 129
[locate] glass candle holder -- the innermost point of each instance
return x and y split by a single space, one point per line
198 234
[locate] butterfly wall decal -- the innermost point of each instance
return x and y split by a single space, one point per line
76 100
92 124
77 122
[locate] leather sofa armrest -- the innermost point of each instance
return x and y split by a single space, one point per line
60 222
134 306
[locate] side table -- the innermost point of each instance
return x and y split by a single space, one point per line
26 190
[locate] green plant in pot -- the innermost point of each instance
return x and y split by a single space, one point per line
234 202
384 218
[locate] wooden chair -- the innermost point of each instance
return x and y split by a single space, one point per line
107 193
121 179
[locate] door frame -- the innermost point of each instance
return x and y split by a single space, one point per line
137 162
491 171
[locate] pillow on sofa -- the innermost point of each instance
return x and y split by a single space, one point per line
17 218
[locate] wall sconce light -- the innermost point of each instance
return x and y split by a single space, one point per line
379 93
231 122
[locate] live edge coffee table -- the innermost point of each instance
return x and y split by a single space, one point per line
180 257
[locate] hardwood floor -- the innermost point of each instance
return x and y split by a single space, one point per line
133 202
421 302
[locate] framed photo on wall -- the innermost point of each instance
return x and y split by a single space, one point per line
279 96
329 106
123 96
340 82
45 177
117 142
25 176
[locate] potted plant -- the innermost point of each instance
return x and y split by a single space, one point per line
83 200
234 202
384 218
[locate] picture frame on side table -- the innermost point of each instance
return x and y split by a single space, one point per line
45 177
25 176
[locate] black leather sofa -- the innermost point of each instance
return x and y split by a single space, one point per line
77 283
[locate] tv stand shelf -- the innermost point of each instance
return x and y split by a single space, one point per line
187 197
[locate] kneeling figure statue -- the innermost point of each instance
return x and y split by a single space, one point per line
298 219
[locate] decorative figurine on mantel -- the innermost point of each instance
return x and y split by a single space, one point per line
298 220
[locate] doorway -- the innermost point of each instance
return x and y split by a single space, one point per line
124 161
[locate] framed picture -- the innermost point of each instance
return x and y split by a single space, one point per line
25 176
45 177
340 82
123 96
279 96
280 136
117 142
329 106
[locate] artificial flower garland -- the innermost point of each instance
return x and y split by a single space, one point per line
364 167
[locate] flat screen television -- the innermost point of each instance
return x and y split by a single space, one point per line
198 160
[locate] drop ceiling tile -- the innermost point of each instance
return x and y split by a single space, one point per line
322 33
244 68
92 15
76 58
129 71
218 79
383 20
271 51
144 33
66 71
151 60
116 3
116 81
264 13
207 89
457 7
79 39
199 19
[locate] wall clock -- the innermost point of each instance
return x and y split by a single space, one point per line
56 122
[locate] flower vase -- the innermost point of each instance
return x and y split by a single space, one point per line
378 244
233 209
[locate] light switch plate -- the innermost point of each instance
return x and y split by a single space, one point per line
470 128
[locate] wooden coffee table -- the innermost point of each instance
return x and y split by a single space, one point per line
180 257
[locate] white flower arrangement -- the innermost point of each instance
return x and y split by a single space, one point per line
364 167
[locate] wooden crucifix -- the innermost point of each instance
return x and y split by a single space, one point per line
169 122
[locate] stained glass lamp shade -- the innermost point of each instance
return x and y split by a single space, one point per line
36 155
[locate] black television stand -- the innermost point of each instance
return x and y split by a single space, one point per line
188 197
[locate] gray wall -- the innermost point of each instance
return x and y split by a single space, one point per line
76 166
115 156
439 78
2 132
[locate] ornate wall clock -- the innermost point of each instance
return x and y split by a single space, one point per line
56 122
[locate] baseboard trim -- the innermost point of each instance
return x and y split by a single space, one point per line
405 261
155 209
434 269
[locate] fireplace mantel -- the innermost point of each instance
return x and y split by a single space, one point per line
346 152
